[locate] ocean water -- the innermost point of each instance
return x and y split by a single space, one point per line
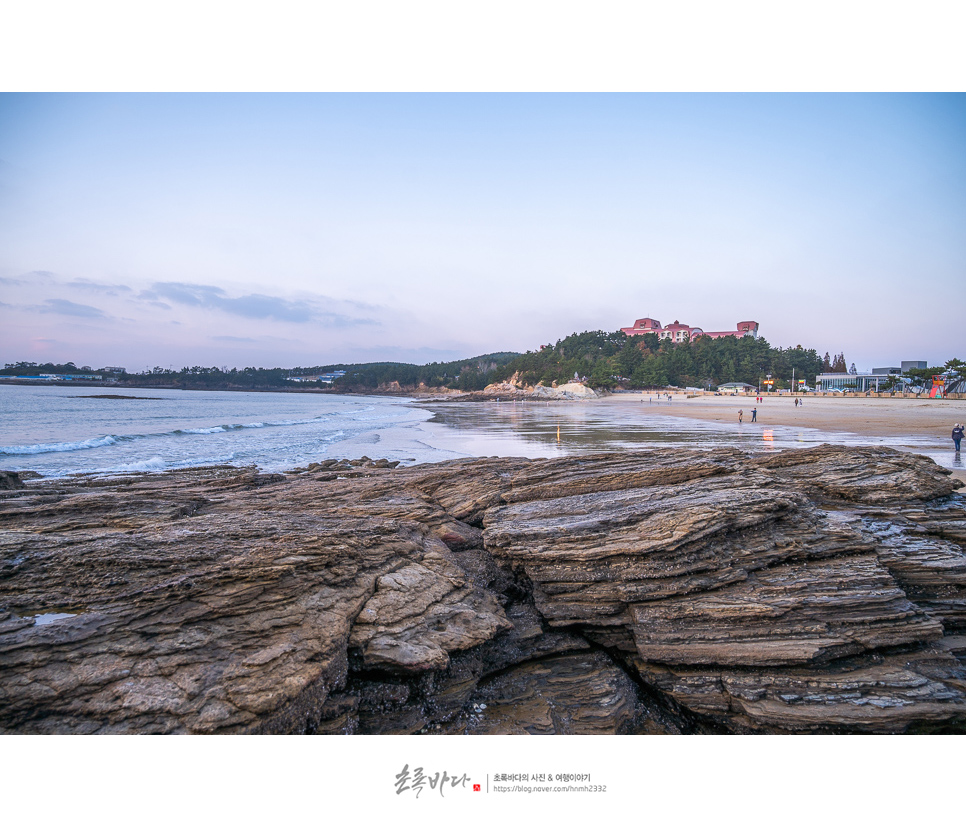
65 430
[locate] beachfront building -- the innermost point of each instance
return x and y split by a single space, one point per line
874 380
327 378
736 388
678 332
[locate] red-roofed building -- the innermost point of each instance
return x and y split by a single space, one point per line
678 332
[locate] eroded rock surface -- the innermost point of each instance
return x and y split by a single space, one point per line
821 590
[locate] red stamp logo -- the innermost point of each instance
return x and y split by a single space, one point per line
476 787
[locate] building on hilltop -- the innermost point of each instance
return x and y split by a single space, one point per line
678 332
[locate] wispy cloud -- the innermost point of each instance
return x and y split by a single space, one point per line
232 339
63 307
94 286
255 306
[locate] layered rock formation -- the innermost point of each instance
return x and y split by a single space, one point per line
672 591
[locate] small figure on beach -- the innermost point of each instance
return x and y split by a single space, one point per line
754 415
740 414
957 435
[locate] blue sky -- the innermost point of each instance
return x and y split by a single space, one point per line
234 229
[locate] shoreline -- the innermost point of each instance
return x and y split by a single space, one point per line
862 416
456 427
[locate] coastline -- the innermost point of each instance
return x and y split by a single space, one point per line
863 416
459 426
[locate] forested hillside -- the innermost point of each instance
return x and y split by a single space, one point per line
604 360
609 360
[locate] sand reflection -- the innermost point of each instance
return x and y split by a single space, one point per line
539 429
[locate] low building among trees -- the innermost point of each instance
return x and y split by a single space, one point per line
736 388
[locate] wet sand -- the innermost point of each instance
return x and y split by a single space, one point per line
872 417
622 422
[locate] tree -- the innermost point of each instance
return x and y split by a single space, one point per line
923 376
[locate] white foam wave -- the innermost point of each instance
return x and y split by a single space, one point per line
239 426
44 448
153 464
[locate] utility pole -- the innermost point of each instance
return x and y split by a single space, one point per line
793 380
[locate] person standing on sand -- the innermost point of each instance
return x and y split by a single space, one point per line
740 414
754 415
957 435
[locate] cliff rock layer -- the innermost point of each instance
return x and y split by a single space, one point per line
654 592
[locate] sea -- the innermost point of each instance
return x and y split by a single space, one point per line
59 430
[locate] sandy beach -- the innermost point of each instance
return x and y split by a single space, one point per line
628 421
878 417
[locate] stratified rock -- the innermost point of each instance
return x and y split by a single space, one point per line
915 690
575 694
10 480
225 622
821 590
861 473
422 612
796 613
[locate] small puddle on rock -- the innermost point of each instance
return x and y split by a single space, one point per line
43 619
46 617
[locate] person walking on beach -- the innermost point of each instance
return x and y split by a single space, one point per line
740 414
957 435
754 415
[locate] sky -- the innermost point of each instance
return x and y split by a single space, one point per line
284 230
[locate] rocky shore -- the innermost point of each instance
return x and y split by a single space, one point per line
815 591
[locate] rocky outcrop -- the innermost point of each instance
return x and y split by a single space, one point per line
514 389
570 391
822 590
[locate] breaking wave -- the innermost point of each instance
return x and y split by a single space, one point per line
114 439
43 448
